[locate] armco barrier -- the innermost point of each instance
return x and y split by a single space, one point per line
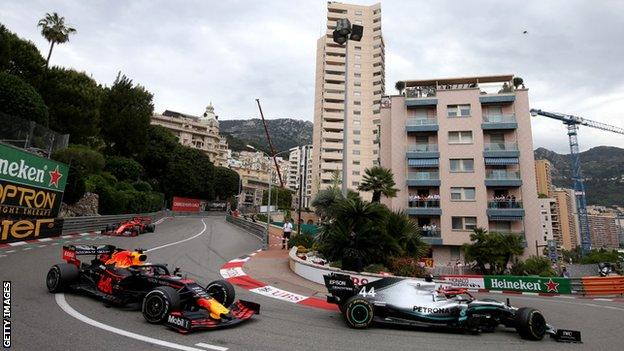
97 223
603 285
254 228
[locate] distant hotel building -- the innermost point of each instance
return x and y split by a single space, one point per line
461 151
365 85
569 237
201 133
300 174
604 232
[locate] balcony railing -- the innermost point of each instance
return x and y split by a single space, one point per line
499 118
423 176
429 232
505 204
501 146
501 174
424 203
422 121
420 92
423 148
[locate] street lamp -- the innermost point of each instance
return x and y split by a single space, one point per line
343 32
268 225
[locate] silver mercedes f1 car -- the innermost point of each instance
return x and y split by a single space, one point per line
422 303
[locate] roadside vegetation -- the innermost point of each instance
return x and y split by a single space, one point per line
114 151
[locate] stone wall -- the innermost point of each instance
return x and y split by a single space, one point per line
86 206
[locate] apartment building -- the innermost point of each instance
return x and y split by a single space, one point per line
569 237
364 84
300 174
461 150
256 164
198 132
604 231
546 220
543 177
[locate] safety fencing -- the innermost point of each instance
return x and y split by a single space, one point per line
254 228
538 285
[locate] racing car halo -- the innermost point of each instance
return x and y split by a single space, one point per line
413 302
121 277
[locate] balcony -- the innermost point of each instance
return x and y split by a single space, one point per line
497 98
331 155
501 177
420 96
332 135
421 125
499 122
334 105
332 125
432 236
501 150
423 179
423 151
505 210
424 208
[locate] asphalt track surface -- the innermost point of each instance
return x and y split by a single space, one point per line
43 321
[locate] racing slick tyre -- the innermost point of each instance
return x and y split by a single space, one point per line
60 276
158 303
530 323
358 312
150 228
222 291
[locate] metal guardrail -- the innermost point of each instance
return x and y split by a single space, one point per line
254 228
97 223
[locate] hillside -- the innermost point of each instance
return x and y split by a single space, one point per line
285 133
603 172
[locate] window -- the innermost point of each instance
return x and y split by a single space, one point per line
495 111
461 164
356 152
358 12
497 138
376 121
357 163
356 142
355 183
458 110
356 132
454 252
357 113
357 93
462 194
461 137
375 152
357 84
357 123
355 173
358 48
464 223
357 75
357 103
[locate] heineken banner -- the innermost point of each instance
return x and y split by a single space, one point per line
31 191
528 284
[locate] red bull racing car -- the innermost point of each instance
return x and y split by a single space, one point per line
123 278
132 227
413 302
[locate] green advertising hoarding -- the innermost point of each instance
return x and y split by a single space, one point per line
528 284
21 167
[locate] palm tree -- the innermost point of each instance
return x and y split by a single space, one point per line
380 181
54 30
400 85
407 233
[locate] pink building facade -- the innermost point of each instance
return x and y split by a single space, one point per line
461 151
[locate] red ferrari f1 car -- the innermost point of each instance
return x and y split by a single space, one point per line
123 278
133 227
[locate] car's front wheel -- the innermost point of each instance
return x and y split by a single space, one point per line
159 303
358 312
530 323
222 291
60 276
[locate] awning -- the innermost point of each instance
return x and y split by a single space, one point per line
505 218
501 161
423 162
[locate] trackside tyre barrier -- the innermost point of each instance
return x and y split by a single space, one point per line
603 285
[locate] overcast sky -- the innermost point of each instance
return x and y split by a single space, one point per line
189 53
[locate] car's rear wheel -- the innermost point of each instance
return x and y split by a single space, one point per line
222 291
158 303
530 323
60 276
358 312
150 228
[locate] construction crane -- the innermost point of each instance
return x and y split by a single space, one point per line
572 123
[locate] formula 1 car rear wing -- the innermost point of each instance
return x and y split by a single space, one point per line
71 251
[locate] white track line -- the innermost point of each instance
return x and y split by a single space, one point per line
62 303
45 239
19 243
180 241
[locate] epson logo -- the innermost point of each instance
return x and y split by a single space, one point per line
337 282
181 322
